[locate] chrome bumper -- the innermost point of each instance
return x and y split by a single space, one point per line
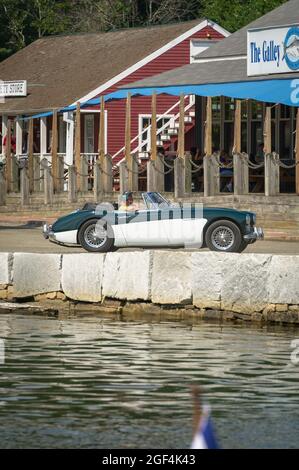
48 232
257 234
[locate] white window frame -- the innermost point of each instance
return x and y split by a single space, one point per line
140 128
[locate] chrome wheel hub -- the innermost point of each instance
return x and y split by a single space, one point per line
223 238
95 236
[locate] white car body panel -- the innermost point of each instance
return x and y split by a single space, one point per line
67 237
160 233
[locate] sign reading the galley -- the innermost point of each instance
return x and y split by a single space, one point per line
273 50
13 88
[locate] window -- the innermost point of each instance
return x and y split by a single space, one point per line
89 133
144 123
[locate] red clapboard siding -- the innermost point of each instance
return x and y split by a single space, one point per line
177 56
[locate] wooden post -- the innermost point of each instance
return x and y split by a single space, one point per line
211 169
297 152
123 177
54 147
237 127
128 155
154 128
48 182
241 175
179 178
78 144
208 128
271 169
8 157
84 174
128 131
181 136
72 192
30 156
25 184
2 187
102 132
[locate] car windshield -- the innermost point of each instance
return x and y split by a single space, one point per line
154 200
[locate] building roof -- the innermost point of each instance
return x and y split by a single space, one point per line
205 73
62 69
226 60
236 43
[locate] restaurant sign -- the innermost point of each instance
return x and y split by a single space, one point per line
273 50
13 88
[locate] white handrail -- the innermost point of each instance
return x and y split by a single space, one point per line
167 124
149 127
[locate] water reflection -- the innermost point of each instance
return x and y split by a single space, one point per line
101 382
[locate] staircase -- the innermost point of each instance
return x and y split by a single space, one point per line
167 135
169 138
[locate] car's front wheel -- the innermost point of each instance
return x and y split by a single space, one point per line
96 236
224 236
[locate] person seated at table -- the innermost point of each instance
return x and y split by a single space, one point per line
127 202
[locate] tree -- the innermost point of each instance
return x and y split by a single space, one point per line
234 14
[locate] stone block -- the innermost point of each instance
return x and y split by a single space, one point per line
207 279
284 279
172 277
82 276
245 282
6 260
36 273
127 276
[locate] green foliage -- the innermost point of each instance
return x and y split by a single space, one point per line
23 21
234 14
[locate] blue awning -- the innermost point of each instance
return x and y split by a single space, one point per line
284 91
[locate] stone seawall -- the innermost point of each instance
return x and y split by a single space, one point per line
253 287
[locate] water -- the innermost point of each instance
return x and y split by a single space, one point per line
93 381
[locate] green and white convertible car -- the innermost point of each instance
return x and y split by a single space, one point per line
157 223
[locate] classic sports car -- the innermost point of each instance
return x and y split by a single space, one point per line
102 227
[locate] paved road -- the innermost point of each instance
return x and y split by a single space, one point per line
31 240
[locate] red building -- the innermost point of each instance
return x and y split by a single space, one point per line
61 70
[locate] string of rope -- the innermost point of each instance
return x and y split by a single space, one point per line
253 166
199 167
162 160
277 161
196 170
163 172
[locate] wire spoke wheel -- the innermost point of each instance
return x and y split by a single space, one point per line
95 236
223 238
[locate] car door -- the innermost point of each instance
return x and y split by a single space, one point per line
144 228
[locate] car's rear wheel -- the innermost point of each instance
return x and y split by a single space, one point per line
96 236
224 236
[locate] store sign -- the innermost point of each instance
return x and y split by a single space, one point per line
273 50
13 88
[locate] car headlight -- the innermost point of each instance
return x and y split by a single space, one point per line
254 219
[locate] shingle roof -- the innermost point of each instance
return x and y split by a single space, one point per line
223 71
61 69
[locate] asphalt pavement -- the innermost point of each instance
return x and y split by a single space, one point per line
31 240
